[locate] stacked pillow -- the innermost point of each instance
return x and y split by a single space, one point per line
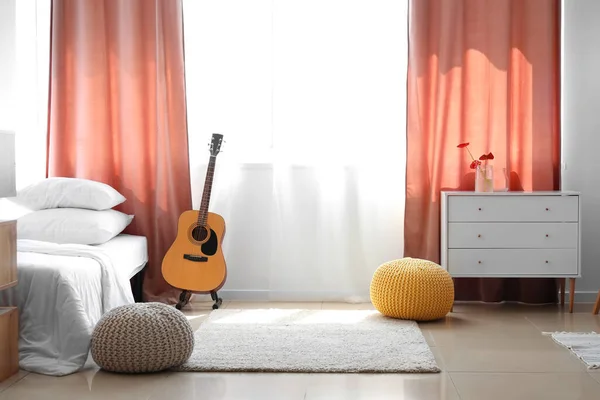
69 210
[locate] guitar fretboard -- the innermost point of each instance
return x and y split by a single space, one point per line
210 171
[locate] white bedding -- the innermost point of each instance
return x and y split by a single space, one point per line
129 253
63 291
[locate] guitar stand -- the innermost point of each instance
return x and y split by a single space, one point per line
184 298
218 301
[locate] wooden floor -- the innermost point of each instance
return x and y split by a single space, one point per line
486 352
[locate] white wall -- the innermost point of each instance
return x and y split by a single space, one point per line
7 64
7 95
581 129
7 164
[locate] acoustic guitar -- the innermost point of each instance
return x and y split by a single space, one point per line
195 263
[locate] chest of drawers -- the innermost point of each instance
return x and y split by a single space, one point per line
511 234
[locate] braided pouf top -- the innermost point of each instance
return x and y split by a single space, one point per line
142 337
411 288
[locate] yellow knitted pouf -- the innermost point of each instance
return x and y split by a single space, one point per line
411 288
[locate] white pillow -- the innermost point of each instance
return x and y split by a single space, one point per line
72 225
70 193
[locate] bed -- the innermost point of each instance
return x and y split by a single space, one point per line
63 291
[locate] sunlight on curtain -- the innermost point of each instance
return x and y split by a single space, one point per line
310 97
32 74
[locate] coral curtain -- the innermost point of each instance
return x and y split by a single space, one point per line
484 72
117 113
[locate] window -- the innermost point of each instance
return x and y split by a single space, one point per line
305 82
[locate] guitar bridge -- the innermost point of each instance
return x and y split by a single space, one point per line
195 258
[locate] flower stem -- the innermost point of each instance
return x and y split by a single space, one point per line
473 158
477 167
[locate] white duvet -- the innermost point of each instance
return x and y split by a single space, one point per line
63 291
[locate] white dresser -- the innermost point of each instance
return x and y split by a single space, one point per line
512 234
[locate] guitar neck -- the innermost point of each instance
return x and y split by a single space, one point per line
210 172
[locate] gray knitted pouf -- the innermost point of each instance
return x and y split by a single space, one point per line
142 337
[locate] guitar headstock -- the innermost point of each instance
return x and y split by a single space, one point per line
215 144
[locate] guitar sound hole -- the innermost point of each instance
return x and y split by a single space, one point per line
199 233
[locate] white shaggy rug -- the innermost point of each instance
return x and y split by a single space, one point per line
279 340
584 345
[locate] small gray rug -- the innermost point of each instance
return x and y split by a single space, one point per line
586 346
279 340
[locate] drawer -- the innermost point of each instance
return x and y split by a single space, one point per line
8 254
9 336
544 235
512 262
513 208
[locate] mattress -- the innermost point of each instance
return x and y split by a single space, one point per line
129 253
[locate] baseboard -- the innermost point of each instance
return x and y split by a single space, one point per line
292 296
581 296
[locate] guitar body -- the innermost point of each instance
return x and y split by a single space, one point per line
195 261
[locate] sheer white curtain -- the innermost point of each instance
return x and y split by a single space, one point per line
32 71
311 98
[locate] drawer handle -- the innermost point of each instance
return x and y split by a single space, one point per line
479 235
547 235
479 262
547 209
479 208
546 261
